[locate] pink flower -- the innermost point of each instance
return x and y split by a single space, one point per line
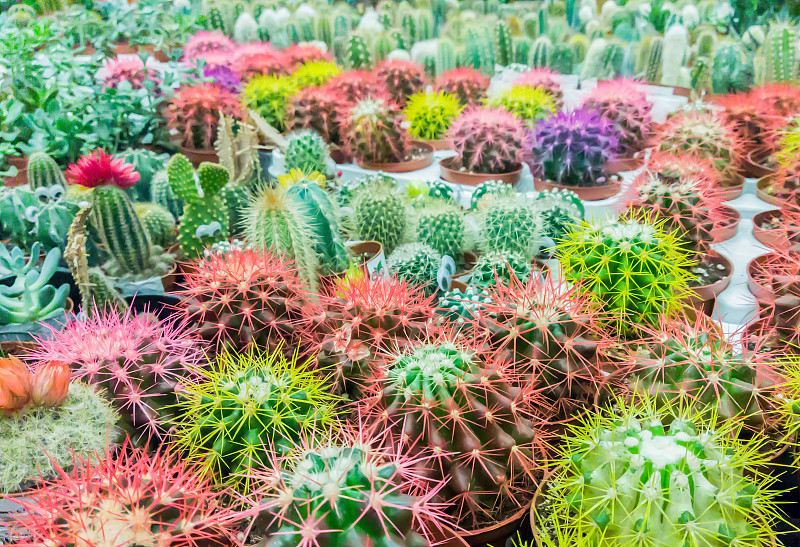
100 169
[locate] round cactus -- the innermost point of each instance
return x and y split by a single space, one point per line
416 263
401 79
633 268
490 140
529 104
441 225
511 224
621 103
374 130
572 148
468 84
430 114
379 214
268 97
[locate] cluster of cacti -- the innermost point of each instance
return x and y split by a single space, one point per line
194 113
627 108
490 140
416 263
374 130
431 114
529 104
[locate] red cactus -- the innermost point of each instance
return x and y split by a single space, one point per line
300 54
316 108
250 297
205 42
194 112
783 98
130 69
354 85
365 317
621 103
490 140
543 78
400 78
754 120
136 359
258 58
468 84
126 498
373 129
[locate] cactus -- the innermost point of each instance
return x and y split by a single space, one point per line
529 104
401 79
572 148
38 440
268 96
374 130
490 140
465 83
441 226
137 361
358 54
416 263
201 192
194 113
158 223
248 297
781 53
635 270
29 298
511 224
379 215
627 108
44 172
235 414
635 472
430 114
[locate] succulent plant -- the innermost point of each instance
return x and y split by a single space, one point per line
126 497
315 73
268 96
467 84
490 140
29 298
35 441
511 224
258 59
435 395
430 114
632 267
529 104
317 109
135 360
573 148
416 263
402 79
442 226
204 42
194 113
233 412
249 297
354 85
373 129
307 150
542 78
753 120
500 266
621 103
659 477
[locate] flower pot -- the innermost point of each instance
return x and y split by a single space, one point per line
440 144
769 193
199 155
21 163
422 157
498 533
732 189
705 296
451 173
586 193
772 238
621 165
726 230
752 167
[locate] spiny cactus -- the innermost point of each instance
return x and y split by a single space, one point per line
401 79
441 225
44 172
490 140
194 113
318 109
205 217
467 84
379 214
529 104
234 411
511 224
268 96
659 477
249 297
307 150
632 267
627 108
430 114
416 263
126 497
136 360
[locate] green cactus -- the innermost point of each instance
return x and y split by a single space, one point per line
379 215
306 150
158 222
781 53
441 225
44 172
541 52
201 192
511 224
162 195
416 263
503 45
29 298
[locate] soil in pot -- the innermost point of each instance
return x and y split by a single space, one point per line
452 172
420 157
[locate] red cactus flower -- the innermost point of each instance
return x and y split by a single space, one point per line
467 84
100 169
15 385
126 498
51 384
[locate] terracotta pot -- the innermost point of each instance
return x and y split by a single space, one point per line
403 166
440 144
705 296
451 173
198 156
496 534
753 169
586 193
732 189
621 165
774 239
762 192
21 163
726 231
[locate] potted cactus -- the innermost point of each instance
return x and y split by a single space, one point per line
572 151
430 116
490 143
374 133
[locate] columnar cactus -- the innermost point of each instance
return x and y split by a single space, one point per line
573 148
529 104
194 113
430 114
441 225
627 108
416 263
511 224
401 79
490 140
467 84
205 217
635 270
373 129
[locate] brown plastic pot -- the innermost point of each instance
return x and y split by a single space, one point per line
732 189
620 165
762 191
724 232
403 166
755 170
451 173
199 155
705 296
496 534
21 163
774 239
586 193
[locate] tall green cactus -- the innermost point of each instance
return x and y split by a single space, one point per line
44 172
201 192
503 46
781 53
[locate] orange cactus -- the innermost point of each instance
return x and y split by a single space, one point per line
51 384
15 385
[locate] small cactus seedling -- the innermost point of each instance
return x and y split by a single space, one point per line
636 271
490 140
374 130
468 84
621 103
233 410
529 104
401 79
430 114
416 263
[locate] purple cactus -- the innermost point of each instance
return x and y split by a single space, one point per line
224 77
572 148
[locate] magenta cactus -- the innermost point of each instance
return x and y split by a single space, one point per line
374 130
572 148
401 79
543 78
468 84
490 140
137 360
131 69
205 42
627 108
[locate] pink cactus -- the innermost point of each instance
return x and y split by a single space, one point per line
205 42
194 112
130 69
490 140
258 58
543 78
401 79
137 360
626 107
467 84
127 497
